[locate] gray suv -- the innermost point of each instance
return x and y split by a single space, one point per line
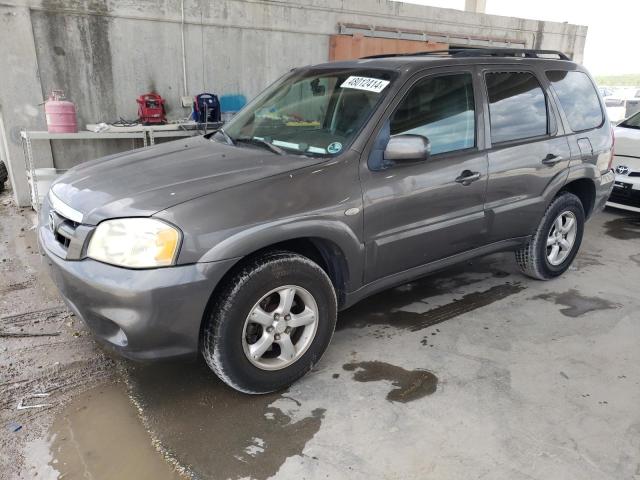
338 181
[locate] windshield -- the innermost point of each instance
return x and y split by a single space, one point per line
631 122
311 112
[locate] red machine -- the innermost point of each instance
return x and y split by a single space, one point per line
151 109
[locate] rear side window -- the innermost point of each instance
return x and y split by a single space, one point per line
578 98
441 109
517 106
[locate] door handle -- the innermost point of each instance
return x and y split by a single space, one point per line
467 177
551 159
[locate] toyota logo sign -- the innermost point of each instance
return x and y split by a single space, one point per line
622 169
52 222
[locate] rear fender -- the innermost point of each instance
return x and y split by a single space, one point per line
538 205
583 170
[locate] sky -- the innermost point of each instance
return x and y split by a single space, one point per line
610 48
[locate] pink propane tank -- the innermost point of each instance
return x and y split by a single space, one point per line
61 114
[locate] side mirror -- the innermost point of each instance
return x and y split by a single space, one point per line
407 148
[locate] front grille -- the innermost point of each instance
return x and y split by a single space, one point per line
626 196
63 228
634 174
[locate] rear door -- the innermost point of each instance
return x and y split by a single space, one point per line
415 213
528 150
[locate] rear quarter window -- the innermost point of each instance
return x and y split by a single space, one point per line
578 98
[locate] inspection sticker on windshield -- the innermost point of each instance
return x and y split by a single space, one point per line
334 147
365 83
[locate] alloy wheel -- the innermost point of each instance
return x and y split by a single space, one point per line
561 238
280 327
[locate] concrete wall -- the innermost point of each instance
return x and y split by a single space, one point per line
105 53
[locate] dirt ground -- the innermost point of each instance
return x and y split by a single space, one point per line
47 356
476 372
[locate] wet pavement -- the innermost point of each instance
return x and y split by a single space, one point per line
476 372
98 435
575 304
212 431
408 385
46 354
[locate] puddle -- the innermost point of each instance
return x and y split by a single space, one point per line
624 228
379 312
450 280
99 436
409 385
585 260
213 431
576 304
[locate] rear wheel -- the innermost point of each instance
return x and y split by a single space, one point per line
554 245
270 323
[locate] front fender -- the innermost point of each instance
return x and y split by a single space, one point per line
311 202
255 238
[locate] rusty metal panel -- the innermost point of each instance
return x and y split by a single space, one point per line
349 47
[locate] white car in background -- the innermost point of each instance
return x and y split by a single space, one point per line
626 163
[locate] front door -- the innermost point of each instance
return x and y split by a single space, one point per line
415 213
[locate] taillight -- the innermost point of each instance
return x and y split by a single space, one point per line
613 145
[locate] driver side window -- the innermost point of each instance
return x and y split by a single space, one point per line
440 108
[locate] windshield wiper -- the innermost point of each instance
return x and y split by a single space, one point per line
262 143
226 136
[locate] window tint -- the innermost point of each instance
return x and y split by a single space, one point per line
441 109
517 106
578 98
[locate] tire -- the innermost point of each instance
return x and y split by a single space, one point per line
536 259
229 335
3 175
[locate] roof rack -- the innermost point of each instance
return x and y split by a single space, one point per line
458 52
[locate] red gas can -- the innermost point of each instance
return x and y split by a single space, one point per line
60 113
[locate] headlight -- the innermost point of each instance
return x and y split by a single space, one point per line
135 243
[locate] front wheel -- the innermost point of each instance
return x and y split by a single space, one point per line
270 323
554 245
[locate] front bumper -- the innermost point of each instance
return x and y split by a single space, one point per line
626 193
141 314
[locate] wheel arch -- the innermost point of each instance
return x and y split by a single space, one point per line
325 252
332 244
579 180
585 190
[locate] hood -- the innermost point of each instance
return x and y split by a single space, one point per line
627 141
145 181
